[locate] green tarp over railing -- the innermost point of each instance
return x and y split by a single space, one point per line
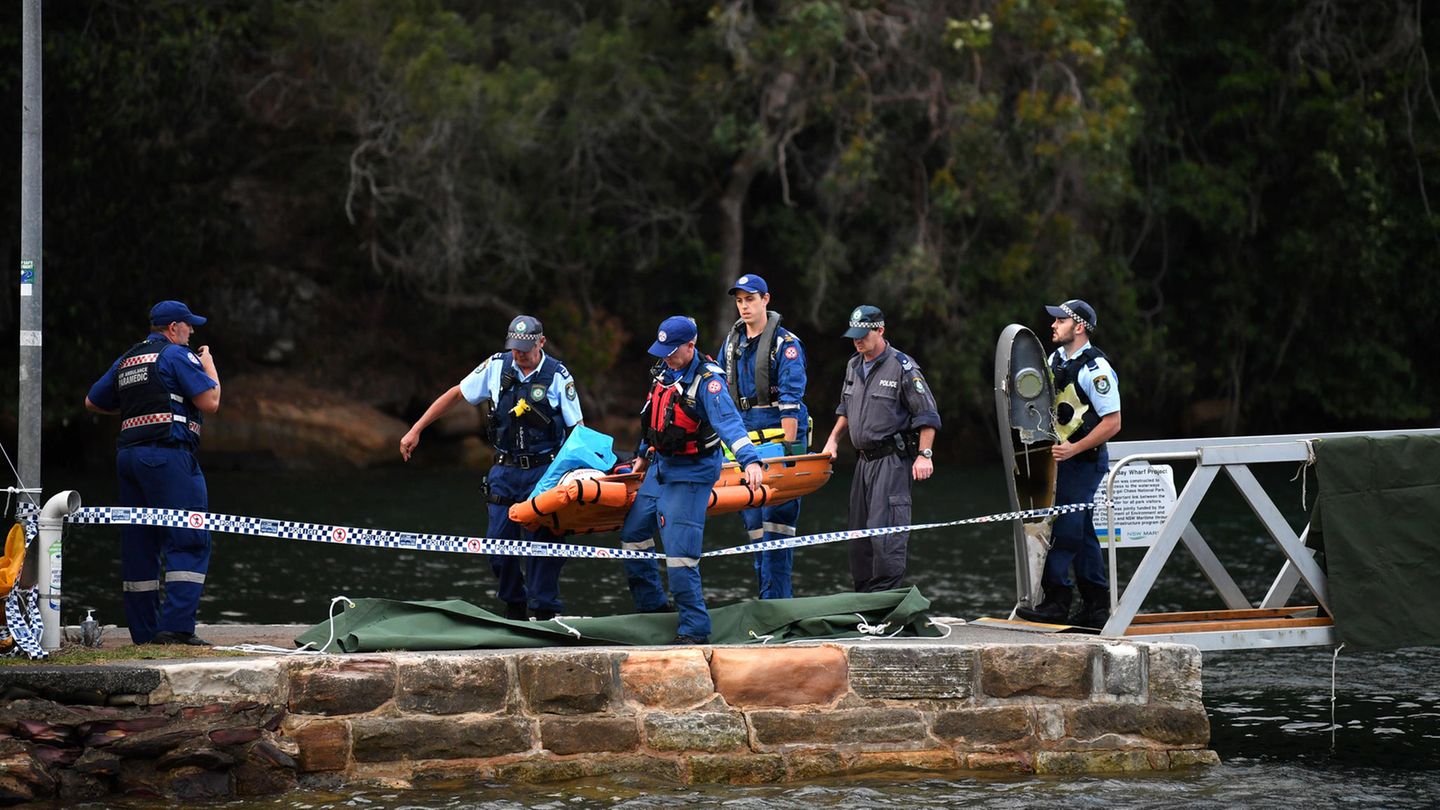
385 624
1377 521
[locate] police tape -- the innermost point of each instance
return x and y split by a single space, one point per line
859 534
416 541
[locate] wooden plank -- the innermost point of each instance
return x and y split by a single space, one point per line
1218 615
1227 626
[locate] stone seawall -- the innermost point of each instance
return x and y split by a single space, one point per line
698 714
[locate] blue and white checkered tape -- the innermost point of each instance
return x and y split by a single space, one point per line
385 538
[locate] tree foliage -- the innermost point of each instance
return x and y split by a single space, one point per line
1249 199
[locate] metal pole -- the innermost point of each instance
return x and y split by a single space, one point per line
31 286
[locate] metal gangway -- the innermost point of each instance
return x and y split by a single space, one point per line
1270 621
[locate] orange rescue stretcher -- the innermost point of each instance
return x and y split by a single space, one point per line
587 505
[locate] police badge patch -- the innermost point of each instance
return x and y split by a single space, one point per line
570 390
919 386
1102 384
537 392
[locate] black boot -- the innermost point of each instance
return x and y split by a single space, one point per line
1053 609
516 611
1094 606
544 615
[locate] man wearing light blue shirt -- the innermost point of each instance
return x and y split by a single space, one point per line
1087 414
534 407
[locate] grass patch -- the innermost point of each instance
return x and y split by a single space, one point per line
76 655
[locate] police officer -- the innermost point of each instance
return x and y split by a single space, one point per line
765 369
1087 414
533 408
891 416
685 418
160 389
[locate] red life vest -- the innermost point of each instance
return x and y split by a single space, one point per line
672 421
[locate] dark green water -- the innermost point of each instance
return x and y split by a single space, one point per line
1270 710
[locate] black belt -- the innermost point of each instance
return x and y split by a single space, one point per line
524 461
879 452
746 403
165 443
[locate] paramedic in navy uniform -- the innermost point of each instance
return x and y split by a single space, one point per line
534 407
159 389
889 412
765 368
688 413
1087 414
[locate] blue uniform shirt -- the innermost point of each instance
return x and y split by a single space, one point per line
484 383
787 372
180 372
712 401
1100 384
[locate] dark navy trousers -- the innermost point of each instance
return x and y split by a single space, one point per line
169 478
1073 540
532 581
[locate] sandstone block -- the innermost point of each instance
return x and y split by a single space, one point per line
1124 670
530 771
324 744
570 682
395 739
344 687
911 673
1191 759
881 762
783 676
696 731
1078 762
1174 674
258 679
452 685
583 735
814 764
1171 725
1015 762
737 769
667 679
851 727
987 726
1022 670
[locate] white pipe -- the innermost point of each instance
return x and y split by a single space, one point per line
52 526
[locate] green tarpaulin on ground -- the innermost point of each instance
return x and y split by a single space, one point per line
387 624
1377 520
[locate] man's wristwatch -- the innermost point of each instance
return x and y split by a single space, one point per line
927 453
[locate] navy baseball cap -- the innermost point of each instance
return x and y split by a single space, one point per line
751 283
1076 310
675 331
863 320
168 312
523 333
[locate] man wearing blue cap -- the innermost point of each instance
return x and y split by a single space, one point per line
688 413
765 369
889 412
1087 414
160 389
534 406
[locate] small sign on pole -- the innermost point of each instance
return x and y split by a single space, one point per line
1144 497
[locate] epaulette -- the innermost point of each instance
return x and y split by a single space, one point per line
714 369
905 361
